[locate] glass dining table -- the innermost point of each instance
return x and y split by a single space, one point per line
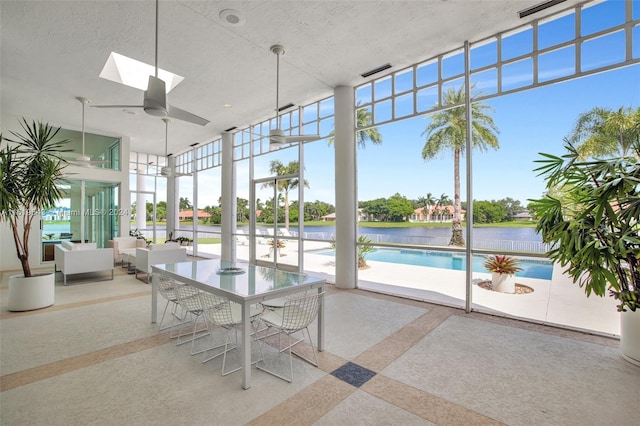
243 283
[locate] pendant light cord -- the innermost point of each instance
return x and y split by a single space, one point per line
83 128
166 138
156 63
277 90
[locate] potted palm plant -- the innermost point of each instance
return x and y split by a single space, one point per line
589 216
30 168
503 270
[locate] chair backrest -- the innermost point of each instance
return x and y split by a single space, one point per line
187 297
167 287
299 313
218 310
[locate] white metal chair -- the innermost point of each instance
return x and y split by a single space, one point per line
221 312
166 288
188 297
294 316
278 303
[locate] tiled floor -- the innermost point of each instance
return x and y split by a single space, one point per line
95 358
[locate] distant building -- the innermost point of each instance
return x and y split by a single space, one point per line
434 214
522 216
331 217
188 214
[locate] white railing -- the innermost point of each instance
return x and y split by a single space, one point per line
506 245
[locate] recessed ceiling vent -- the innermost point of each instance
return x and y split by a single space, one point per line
195 144
231 129
232 18
285 107
539 8
376 70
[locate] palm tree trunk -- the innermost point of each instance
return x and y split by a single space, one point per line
456 227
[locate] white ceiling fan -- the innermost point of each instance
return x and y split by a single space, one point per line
167 170
83 159
155 97
277 139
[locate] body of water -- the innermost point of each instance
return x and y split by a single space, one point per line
491 238
531 268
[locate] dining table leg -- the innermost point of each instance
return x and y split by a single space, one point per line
154 299
246 346
320 342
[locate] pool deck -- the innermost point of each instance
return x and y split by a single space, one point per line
556 302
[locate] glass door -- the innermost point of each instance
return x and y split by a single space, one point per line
88 211
143 215
101 212
275 241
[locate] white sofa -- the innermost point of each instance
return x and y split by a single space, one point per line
122 243
79 258
158 254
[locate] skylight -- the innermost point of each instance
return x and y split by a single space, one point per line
133 73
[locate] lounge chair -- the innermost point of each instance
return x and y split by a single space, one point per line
242 238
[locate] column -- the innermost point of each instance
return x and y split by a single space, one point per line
346 197
141 204
229 204
172 201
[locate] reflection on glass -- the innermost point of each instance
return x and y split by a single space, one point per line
484 55
556 64
592 57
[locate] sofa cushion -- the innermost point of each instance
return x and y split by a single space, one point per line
166 246
79 246
126 241
85 246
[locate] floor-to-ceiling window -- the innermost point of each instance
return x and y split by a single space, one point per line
148 191
527 86
433 203
209 198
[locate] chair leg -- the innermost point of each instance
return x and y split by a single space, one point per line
166 306
194 337
193 334
290 350
183 321
224 357
215 347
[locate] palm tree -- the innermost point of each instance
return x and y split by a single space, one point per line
603 132
363 119
447 131
441 203
426 202
285 185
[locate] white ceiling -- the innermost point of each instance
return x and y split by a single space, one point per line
53 51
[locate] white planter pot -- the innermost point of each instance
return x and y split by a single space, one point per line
27 294
503 283
630 336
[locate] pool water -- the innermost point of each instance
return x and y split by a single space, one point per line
531 268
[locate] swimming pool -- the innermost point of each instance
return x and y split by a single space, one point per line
531 268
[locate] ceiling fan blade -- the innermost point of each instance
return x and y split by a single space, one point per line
116 106
168 172
180 114
302 138
155 98
277 138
